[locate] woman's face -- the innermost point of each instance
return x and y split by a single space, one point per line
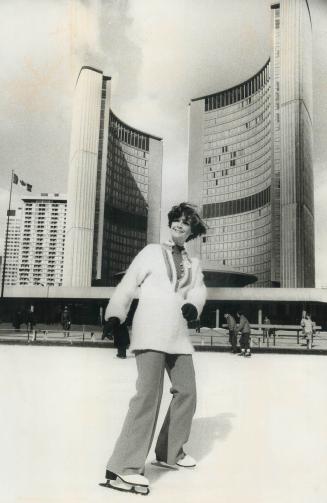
180 230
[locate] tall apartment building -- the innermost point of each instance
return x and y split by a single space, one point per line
250 161
42 240
114 187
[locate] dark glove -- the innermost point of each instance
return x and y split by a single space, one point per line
110 326
190 312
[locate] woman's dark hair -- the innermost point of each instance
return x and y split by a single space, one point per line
188 211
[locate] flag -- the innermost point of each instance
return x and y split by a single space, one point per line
15 180
27 185
11 213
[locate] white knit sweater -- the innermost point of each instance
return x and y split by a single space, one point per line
158 321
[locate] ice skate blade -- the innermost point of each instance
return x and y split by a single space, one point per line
126 488
186 462
163 464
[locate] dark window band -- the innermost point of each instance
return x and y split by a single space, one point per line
214 210
124 219
239 92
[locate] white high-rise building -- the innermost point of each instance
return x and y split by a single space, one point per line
13 248
43 228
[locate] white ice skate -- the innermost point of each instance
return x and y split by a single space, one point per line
137 484
185 462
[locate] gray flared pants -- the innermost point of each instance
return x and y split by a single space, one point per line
135 439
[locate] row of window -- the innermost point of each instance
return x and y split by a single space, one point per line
240 173
261 138
121 158
132 200
251 254
239 92
37 210
234 236
238 109
240 221
117 147
213 196
54 203
126 134
214 141
230 122
229 182
240 130
243 156
237 205
252 159
223 188
114 232
238 246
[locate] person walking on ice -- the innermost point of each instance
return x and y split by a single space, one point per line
307 325
231 323
66 321
171 293
244 328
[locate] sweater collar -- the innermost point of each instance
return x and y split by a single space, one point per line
169 244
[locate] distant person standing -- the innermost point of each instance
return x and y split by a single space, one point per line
231 323
30 318
244 328
266 331
17 319
308 326
66 321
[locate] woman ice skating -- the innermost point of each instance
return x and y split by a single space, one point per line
171 293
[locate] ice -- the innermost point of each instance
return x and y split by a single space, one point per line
259 433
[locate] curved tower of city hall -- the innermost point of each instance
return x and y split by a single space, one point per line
114 187
250 161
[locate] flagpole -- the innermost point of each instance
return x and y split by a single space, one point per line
6 238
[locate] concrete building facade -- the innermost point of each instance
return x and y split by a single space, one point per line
36 241
114 187
42 240
250 161
11 276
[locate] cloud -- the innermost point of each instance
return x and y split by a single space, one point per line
184 54
111 49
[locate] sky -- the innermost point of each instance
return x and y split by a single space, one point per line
160 54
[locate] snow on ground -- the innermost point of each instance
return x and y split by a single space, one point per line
259 433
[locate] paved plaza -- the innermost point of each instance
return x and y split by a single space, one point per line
259 432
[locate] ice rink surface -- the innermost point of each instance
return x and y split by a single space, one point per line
259 433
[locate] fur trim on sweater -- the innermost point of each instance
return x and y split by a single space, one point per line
158 321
